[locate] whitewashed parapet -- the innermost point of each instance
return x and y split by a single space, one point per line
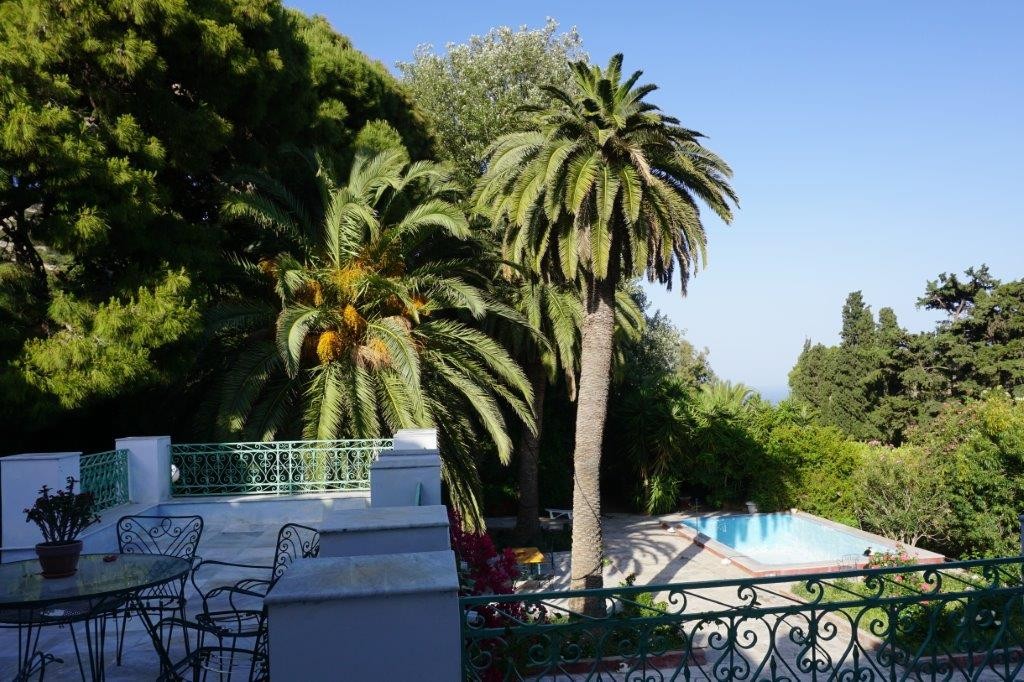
21 477
384 530
380 617
409 473
414 440
149 467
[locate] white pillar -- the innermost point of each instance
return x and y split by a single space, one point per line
21 477
149 467
411 469
381 617
384 530
414 440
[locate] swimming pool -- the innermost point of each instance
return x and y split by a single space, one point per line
790 542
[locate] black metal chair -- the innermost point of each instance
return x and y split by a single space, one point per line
294 541
215 654
176 536
234 613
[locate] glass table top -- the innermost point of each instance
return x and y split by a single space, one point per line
22 584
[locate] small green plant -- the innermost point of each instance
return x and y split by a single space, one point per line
62 516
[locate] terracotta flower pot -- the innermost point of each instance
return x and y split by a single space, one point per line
59 560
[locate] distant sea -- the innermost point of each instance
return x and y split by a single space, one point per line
774 394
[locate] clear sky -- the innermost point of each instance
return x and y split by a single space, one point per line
875 144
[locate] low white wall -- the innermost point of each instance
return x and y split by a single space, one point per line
262 510
149 467
384 530
391 617
411 469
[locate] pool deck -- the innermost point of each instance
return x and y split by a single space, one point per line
641 546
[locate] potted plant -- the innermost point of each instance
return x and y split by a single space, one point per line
61 517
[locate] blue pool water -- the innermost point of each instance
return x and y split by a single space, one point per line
783 538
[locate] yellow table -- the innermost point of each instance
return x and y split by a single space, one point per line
529 557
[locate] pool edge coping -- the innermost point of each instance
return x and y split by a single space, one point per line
760 570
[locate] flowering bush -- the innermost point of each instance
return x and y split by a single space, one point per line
895 559
482 568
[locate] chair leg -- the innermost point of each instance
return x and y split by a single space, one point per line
120 634
177 612
180 611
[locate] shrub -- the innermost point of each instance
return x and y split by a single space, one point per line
809 467
979 448
482 569
903 494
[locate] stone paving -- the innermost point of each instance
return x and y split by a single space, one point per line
232 539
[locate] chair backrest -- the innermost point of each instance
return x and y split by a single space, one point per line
176 536
294 541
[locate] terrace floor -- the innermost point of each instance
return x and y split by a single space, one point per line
238 538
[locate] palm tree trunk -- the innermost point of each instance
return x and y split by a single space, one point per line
592 407
527 521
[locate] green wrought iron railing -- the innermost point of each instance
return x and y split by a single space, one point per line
105 475
278 468
956 621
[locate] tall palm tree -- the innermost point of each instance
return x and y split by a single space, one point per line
368 327
602 187
550 344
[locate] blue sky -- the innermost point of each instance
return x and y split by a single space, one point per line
874 144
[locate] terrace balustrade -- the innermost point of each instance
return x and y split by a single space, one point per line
278 468
105 475
958 621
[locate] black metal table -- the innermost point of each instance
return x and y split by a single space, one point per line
103 584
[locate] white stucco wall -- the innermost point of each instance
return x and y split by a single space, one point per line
390 617
21 478
384 530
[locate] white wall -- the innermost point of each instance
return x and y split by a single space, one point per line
390 617
21 478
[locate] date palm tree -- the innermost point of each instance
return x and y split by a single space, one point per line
547 347
370 326
602 187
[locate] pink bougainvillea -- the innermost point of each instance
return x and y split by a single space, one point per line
482 568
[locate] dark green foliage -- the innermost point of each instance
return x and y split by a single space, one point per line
809 467
118 123
351 90
979 447
881 380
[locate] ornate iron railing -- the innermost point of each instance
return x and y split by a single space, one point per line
279 468
957 621
105 475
